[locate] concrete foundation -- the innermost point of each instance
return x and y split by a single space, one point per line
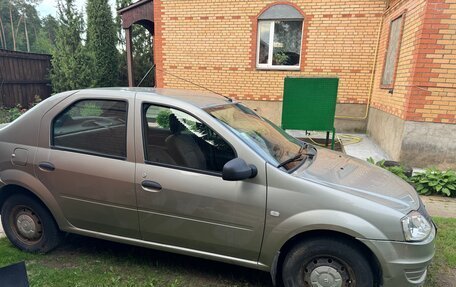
344 125
273 112
387 131
416 144
429 144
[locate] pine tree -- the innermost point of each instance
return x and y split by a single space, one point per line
70 59
101 41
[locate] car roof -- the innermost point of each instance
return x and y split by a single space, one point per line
201 99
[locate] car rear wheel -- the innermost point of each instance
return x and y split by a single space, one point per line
326 263
29 225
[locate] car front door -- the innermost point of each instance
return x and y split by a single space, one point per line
86 159
182 199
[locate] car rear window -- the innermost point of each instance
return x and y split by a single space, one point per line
92 126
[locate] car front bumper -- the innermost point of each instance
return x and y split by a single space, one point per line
403 263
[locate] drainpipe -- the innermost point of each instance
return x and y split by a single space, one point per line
371 87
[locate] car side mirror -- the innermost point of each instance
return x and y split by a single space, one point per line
238 169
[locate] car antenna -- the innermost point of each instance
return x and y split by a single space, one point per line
150 70
193 83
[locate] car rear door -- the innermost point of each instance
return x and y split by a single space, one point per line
189 205
86 159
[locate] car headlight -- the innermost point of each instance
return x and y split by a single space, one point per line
416 227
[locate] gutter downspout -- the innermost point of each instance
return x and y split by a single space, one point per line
371 87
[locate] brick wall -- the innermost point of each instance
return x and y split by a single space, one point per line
425 86
413 11
213 43
433 97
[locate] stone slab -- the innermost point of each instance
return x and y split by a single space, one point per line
440 206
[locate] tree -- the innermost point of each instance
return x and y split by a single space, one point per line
19 24
71 63
46 37
101 42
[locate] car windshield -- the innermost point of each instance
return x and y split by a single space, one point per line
268 140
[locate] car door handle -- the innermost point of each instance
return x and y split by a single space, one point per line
150 185
46 166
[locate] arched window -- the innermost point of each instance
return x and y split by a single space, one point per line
279 38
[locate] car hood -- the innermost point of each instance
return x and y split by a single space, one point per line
359 178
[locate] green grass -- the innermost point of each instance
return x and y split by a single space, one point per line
82 261
442 271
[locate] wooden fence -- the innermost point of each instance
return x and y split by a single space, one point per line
22 77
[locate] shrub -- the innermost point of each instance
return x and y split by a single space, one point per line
434 181
8 115
15 112
163 118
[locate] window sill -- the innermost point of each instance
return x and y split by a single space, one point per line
279 68
386 87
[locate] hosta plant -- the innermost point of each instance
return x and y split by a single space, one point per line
434 181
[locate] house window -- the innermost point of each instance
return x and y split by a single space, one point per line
279 38
392 53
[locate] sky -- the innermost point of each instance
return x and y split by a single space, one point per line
49 7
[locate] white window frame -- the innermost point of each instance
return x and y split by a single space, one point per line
269 65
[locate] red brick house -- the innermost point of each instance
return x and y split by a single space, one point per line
396 61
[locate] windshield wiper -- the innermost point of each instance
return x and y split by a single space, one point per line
292 159
298 156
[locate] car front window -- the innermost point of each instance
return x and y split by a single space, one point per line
268 140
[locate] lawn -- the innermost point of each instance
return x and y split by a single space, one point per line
82 261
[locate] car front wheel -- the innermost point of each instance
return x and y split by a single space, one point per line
29 225
326 263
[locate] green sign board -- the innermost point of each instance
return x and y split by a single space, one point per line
309 103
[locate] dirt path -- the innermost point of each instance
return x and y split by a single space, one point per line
440 206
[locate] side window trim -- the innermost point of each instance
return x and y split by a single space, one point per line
83 151
178 167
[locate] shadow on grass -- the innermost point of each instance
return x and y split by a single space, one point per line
88 252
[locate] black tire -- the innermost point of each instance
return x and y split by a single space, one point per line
38 231
308 261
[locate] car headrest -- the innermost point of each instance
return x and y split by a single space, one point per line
175 125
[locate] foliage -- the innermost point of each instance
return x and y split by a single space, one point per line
280 58
101 43
397 170
71 61
19 24
10 114
46 37
163 118
15 112
434 181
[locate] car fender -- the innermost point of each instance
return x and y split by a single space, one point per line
31 183
277 235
